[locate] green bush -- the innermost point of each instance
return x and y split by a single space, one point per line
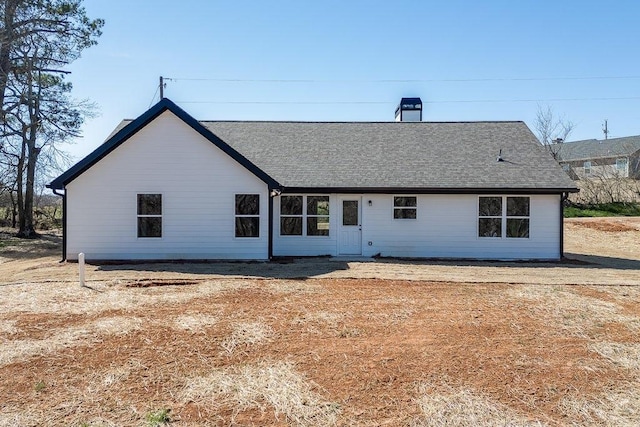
602 210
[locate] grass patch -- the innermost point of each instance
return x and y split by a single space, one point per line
159 417
261 386
602 210
463 408
246 334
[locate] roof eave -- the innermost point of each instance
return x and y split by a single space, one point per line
429 190
132 128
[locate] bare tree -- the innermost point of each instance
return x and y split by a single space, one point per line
552 129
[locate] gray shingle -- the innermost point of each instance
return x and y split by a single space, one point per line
591 149
395 154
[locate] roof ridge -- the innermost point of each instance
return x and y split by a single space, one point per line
362 122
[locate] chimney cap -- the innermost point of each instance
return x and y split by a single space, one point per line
409 104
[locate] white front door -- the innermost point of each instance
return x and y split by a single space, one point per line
350 234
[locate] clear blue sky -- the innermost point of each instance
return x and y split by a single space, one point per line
359 57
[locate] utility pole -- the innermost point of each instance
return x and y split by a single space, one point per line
161 88
605 129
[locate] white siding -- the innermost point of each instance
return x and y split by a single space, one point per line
198 183
303 245
446 227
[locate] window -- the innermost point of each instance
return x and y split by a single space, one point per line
621 165
350 214
587 168
490 217
293 215
518 217
247 215
317 215
566 167
149 215
503 216
405 207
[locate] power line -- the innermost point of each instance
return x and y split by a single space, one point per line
461 101
497 79
154 97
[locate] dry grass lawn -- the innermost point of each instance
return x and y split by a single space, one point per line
325 342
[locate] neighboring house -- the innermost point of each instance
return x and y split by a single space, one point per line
592 158
166 186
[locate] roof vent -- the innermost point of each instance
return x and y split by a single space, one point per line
409 110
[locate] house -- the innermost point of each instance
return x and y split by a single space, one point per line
166 186
592 158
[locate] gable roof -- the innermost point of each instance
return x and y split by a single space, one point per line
598 149
421 156
398 157
127 129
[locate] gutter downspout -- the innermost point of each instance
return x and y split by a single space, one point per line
273 193
563 198
270 244
64 223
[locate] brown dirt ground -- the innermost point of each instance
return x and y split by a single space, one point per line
530 338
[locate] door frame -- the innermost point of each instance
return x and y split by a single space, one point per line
341 228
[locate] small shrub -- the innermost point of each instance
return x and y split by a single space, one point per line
40 385
602 210
159 417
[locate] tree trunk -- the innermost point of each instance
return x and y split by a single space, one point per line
27 229
14 210
6 40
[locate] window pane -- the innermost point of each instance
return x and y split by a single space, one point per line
517 228
490 227
490 206
317 205
291 205
405 201
517 206
149 204
318 226
247 204
247 226
291 226
349 212
149 226
404 213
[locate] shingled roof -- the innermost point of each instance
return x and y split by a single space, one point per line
415 155
589 149
375 156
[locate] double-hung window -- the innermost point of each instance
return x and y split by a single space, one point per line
500 216
405 207
247 215
317 215
621 166
587 168
304 215
149 215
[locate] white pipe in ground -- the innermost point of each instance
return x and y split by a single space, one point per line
81 267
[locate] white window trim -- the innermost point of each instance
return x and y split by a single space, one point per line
587 167
304 217
503 217
247 216
161 216
394 207
625 162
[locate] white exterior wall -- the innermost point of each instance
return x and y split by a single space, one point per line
446 227
303 245
198 183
